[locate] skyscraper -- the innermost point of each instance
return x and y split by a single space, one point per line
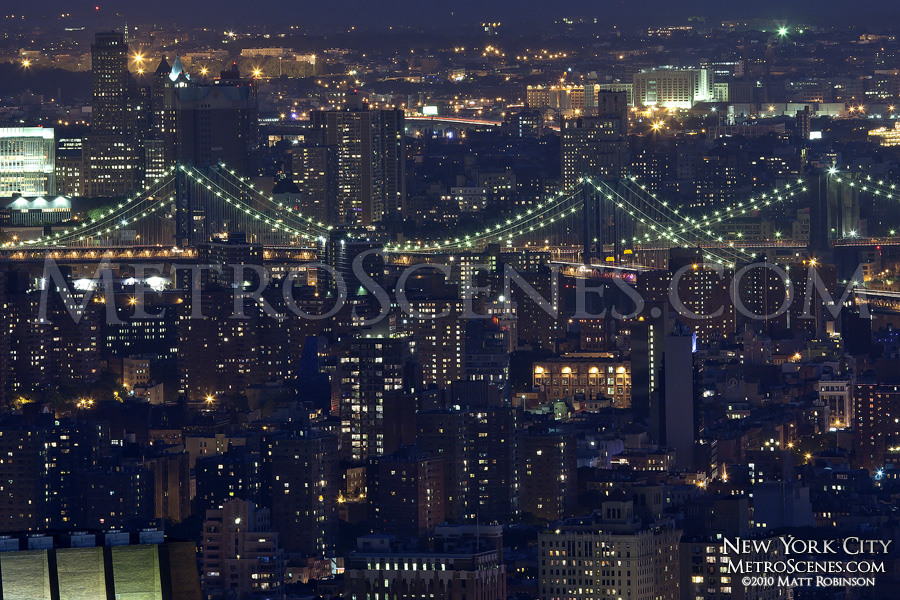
217 123
672 411
112 161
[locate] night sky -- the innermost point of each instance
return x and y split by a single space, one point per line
235 13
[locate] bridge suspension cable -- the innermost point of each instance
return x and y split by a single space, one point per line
110 225
545 213
686 222
317 227
639 214
285 223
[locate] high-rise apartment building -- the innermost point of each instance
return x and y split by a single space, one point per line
371 162
547 469
375 371
597 146
240 555
315 172
406 493
304 486
876 410
610 554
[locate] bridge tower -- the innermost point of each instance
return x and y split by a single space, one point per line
184 210
604 222
834 213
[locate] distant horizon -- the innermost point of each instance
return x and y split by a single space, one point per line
522 14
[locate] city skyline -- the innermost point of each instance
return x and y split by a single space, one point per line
538 308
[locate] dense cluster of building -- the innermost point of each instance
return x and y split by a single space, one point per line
468 437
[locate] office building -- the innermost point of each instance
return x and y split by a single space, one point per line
112 163
69 167
217 123
159 148
27 161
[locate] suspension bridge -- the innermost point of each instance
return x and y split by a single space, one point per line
619 223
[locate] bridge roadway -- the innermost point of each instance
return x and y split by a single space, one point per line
305 254
280 254
460 121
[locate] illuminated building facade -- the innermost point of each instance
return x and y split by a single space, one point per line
886 136
469 567
674 88
37 211
838 396
27 161
591 374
